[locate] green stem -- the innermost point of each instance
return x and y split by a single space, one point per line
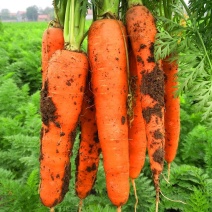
109 8
165 9
160 8
198 34
205 50
169 10
61 12
186 7
74 24
71 26
132 3
66 23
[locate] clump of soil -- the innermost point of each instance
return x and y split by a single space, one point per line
47 106
153 84
158 156
148 112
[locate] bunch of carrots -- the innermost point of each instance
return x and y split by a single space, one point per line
116 92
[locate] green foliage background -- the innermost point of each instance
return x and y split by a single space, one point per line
20 82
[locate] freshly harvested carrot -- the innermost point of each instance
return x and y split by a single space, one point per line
108 59
137 133
87 160
172 110
141 30
61 100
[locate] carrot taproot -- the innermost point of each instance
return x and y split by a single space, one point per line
137 133
172 110
141 30
61 100
87 159
108 61
52 40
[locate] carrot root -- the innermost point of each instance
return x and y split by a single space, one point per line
135 193
80 205
118 209
51 209
157 202
169 170
109 82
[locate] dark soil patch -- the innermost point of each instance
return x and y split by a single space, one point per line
153 85
47 106
158 134
72 137
66 178
152 48
96 137
148 112
142 46
158 156
91 168
123 119
139 59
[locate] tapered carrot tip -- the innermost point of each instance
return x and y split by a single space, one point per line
169 170
80 205
135 193
51 209
118 209
157 203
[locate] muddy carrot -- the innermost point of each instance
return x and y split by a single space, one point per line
61 102
87 160
141 29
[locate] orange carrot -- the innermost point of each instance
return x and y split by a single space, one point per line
137 133
52 40
172 110
141 29
88 155
61 100
107 55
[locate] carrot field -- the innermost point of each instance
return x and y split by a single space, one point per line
185 187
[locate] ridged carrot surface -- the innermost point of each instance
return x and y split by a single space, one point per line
137 131
142 30
87 160
107 56
61 101
172 109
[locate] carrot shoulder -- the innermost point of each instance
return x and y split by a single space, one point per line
61 100
87 160
107 55
141 29
52 40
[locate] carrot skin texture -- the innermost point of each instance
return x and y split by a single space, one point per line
137 133
107 57
142 30
87 160
52 40
172 109
61 101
